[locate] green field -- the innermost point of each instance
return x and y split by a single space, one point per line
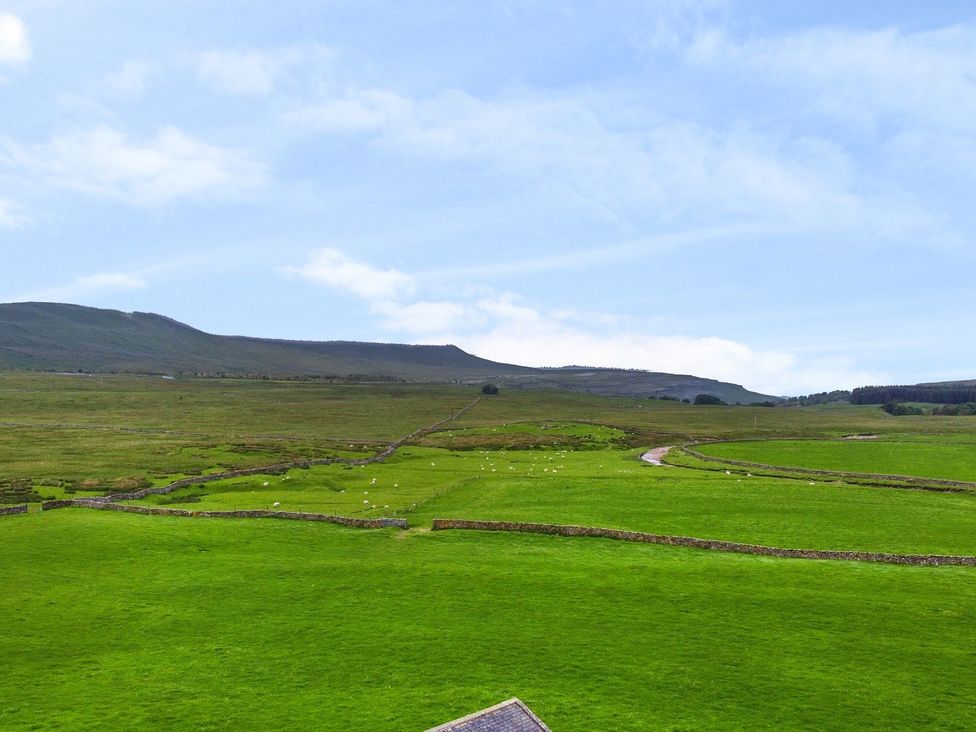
952 459
608 488
146 622
116 621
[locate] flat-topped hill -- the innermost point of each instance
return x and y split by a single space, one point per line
63 337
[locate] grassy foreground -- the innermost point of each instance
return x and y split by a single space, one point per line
114 621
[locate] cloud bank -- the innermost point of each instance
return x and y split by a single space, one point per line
507 327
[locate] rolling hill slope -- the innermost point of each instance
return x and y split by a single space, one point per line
61 337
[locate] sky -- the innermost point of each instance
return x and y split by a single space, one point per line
773 194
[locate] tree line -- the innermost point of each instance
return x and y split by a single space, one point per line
956 394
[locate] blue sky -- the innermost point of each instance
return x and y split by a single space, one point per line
775 194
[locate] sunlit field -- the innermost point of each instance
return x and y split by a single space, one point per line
119 620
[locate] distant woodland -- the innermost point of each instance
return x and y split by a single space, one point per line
929 394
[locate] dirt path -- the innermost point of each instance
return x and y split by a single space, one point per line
655 455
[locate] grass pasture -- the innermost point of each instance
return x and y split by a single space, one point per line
173 623
608 488
952 459
150 622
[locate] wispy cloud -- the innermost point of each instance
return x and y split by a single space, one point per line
88 285
11 216
14 44
423 316
609 154
334 269
257 72
505 326
861 75
170 166
606 254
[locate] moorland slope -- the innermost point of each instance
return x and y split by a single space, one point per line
63 337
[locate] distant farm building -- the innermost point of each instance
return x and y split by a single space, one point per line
509 716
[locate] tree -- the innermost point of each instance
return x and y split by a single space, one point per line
708 399
489 389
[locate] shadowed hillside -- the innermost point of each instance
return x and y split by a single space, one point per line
60 337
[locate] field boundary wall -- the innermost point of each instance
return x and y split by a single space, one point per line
280 467
711 544
361 523
11 510
913 481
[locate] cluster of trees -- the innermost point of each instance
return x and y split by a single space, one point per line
934 394
821 397
967 409
489 389
709 399
901 410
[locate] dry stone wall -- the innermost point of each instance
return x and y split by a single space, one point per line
936 484
714 545
11 510
362 523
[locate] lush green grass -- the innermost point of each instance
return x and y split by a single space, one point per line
952 459
118 621
610 488
524 435
114 621
76 428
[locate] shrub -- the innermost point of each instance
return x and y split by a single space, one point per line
901 410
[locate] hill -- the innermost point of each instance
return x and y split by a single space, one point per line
62 337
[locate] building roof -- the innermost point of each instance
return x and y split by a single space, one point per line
509 716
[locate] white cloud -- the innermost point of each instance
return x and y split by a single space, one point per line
14 46
910 77
10 214
86 285
162 169
254 72
333 268
504 328
358 111
423 316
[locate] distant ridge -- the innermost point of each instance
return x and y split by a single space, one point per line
62 337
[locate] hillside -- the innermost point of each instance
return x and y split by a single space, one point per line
61 337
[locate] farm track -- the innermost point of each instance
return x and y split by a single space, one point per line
656 455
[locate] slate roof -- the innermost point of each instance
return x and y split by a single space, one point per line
509 716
